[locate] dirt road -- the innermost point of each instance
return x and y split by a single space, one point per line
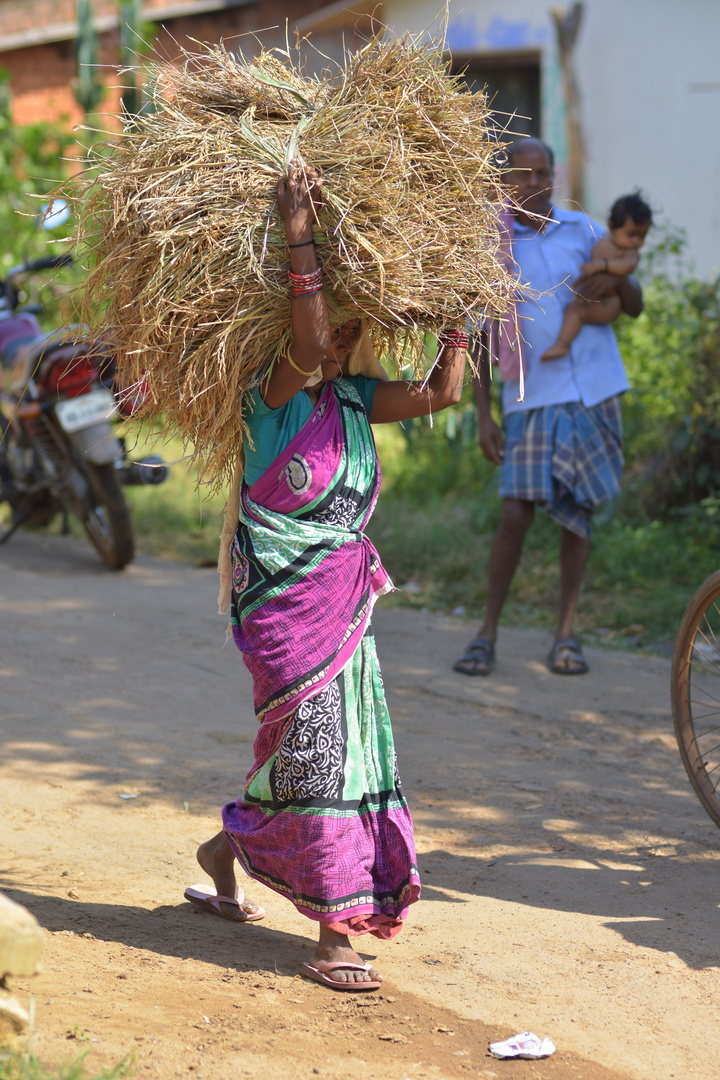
570 877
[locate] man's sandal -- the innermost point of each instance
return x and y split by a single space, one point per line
478 658
566 658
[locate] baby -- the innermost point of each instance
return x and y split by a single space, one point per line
615 253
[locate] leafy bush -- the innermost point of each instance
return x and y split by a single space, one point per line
31 165
672 414
24 1065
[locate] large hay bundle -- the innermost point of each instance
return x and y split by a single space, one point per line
190 261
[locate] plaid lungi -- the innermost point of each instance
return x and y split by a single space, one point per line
567 457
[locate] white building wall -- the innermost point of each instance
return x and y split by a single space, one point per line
649 77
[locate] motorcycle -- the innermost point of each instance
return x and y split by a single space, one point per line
58 449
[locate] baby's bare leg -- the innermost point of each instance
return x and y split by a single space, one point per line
571 326
577 314
600 312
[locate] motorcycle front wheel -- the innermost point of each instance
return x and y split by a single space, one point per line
106 518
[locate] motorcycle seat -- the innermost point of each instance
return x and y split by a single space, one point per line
30 354
73 335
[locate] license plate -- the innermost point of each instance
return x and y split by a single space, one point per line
86 410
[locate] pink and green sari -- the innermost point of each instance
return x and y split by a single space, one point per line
322 819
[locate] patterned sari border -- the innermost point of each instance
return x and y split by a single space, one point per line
290 695
372 804
342 903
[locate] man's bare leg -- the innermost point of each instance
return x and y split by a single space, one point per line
515 519
217 859
574 550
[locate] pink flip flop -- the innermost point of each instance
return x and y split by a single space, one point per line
318 972
204 899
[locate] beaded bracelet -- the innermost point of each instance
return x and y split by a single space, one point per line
454 339
305 284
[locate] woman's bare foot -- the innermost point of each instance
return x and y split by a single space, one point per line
217 859
334 947
555 351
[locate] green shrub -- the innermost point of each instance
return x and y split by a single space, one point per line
24 1065
672 414
31 166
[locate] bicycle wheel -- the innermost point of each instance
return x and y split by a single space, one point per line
695 688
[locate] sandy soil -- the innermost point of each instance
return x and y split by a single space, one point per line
570 877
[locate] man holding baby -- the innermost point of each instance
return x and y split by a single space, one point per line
561 446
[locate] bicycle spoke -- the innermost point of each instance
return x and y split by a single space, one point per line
704 716
708 751
711 641
706 704
712 711
717 610
697 660
714 643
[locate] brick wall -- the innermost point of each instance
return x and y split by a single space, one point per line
19 15
42 75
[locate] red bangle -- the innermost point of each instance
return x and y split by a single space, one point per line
306 284
454 339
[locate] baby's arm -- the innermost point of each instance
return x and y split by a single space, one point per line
607 258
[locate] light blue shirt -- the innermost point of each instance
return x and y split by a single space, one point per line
549 262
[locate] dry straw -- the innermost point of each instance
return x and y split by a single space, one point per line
188 253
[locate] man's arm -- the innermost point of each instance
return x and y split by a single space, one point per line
631 297
490 436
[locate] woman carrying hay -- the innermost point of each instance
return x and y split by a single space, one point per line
322 819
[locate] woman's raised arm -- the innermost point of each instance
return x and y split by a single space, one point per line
299 195
406 400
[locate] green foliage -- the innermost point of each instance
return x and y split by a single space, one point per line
136 38
672 415
88 87
24 1065
31 165
426 456
640 575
